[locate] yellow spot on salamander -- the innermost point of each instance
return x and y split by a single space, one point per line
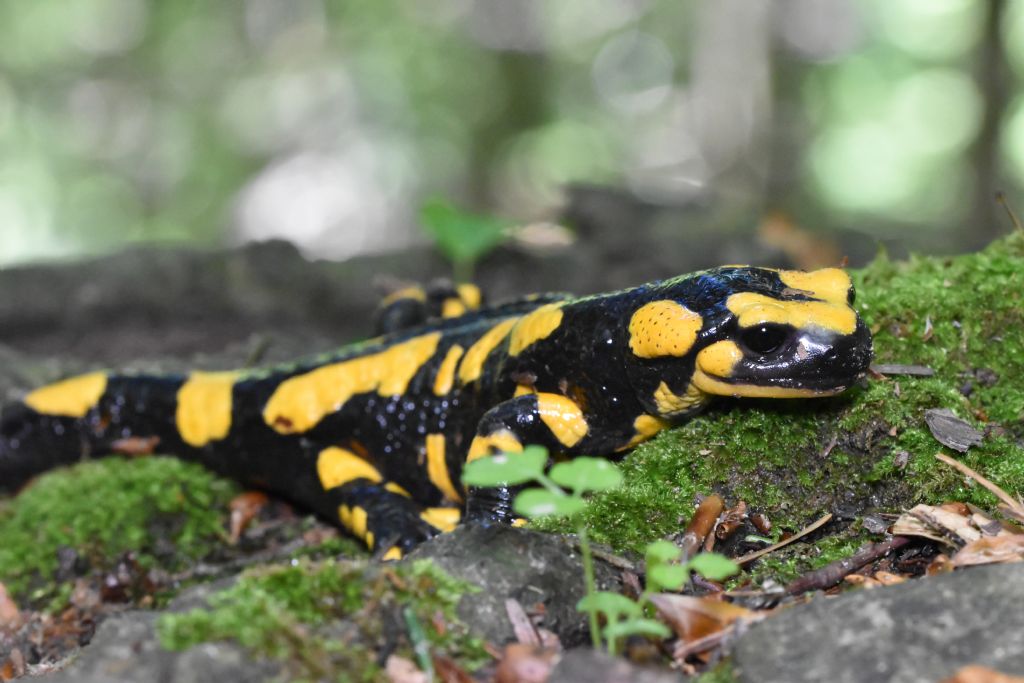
393 553
445 377
437 468
72 397
470 295
354 519
501 441
535 326
563 417
719 359
204 407
397 489
663 328
473 362
414 293
670 403
299 403
444 519
523 390
755 309
452 308
830 284
337 466
644 427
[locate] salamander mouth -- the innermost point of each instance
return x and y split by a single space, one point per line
723 386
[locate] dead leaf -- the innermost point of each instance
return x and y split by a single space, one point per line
401 670
1003 548
525 664
693 618
938 524
950 430
898 369
9 613
522 626
244 508
975 673
135 446
449 672
889 579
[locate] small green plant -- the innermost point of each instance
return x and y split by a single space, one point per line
561 495
462 237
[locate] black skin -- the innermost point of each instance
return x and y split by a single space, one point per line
586 358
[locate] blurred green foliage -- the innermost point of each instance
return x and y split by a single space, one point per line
463 238
130 120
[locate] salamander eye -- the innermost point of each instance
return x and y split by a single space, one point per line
764 339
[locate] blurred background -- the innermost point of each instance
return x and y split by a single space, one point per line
329 123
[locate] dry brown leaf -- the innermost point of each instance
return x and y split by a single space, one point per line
522 626
402 670
861 581
9 613
449 672
938 524
889 579
975 673
525 664
693 618
244 508
991 550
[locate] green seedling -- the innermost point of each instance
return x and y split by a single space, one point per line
462 237
561 495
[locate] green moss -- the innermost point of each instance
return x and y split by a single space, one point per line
721 673
327 620
797 460
162 509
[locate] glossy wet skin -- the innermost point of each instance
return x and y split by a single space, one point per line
375 435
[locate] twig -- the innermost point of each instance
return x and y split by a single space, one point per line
750 557
1001 199
1002 495
833 573
522 626
681 650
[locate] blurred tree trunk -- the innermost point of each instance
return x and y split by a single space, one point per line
732 104
986 220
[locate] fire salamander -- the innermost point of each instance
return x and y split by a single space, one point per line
374 436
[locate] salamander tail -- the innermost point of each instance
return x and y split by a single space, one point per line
31 443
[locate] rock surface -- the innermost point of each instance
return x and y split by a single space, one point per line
584 665
125 649
523 565
922 631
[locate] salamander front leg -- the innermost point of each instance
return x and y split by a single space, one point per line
380 513
550 420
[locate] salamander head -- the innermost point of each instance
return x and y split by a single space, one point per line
741 331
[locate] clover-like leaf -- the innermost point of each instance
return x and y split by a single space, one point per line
637 627
667 576
662 551
544 503
462 237
713 566
506 469
584 474
612 605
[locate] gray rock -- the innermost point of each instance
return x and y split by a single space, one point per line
584 665
515 563
920 631
126 650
